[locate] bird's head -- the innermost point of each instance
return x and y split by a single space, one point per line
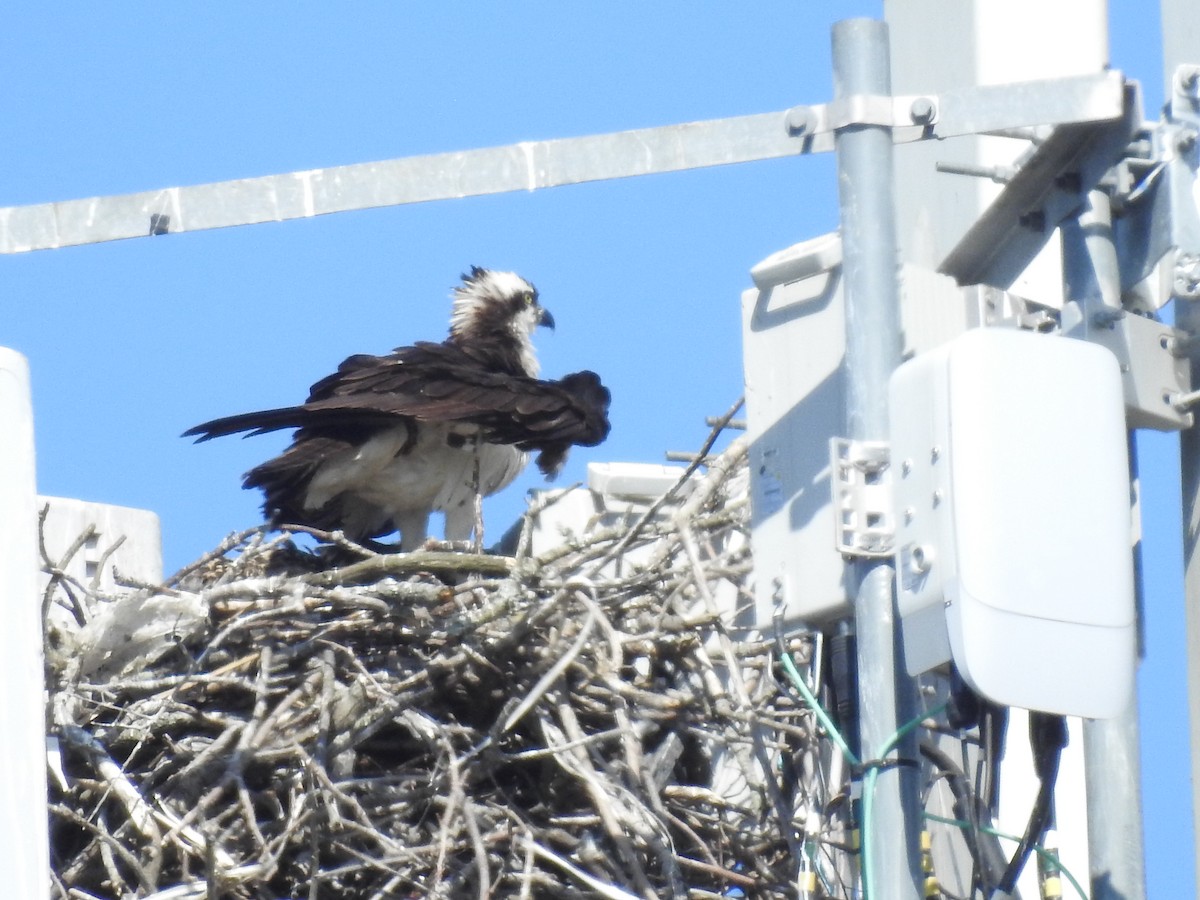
498 311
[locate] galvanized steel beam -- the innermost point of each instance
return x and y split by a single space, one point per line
532 165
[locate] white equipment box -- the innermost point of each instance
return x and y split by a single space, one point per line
1014 537
794 345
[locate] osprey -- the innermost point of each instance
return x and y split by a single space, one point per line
386 440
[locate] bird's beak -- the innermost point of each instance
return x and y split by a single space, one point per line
546 319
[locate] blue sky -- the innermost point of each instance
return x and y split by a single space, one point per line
132 342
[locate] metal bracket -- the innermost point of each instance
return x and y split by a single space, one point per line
1155 373
1180 147
1046 190
862 497
986 109
1160 219
863 109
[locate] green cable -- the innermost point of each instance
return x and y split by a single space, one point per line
823 717
1041 851
869 780
872 775
872 771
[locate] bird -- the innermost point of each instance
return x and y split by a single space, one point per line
385 441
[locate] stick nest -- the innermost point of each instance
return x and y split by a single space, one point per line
590 722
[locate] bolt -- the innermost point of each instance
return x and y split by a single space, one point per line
1182 402
800 120
1034 220
934 453
1187 274
923 110
920 560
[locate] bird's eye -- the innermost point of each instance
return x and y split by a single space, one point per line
528 298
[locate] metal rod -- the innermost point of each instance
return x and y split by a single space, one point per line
1180 40
1187 319
1112 760
887 696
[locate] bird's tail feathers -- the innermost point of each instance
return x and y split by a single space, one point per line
252 423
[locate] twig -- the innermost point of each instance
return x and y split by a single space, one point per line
436 561
230 542
654 508
552 674
610 892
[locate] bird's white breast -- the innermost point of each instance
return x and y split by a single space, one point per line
381 480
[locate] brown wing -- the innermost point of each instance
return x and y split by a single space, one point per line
440 383
572 410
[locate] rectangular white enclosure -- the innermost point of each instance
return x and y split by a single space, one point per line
1014 543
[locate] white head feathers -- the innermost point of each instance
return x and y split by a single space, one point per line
491 307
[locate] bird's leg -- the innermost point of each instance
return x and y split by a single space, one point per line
475 486
413 528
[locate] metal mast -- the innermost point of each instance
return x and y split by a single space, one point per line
887 696
1181 45
1111 752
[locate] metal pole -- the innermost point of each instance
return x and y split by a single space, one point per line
1181 44
1112 758
887 696
1187 320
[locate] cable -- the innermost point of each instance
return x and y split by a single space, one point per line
1037 848
872 775
823 717
969 710
843 686
871 767
989 859
1047 737
801 686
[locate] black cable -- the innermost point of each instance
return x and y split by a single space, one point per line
984 848
994 731
969 710
1047 737
842 682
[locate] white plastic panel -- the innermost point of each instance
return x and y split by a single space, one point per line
616 493
1014 528
793 346
24 838
121 539
638 482
793 343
